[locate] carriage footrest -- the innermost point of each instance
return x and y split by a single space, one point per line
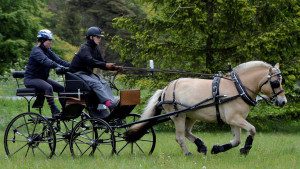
26 92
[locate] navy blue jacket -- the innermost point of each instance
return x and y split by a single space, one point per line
40 62
87 58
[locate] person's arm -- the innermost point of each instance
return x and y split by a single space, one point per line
58 60
40 57
88 60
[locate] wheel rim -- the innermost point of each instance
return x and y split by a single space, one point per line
29 134
145 145
92 137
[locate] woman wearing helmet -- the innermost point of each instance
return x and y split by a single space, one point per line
41 60
89 57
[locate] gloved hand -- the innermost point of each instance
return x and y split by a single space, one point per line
61 70
119 68
111 66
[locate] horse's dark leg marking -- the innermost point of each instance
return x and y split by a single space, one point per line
248 145
218 149
200 145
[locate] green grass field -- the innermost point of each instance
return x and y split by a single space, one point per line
270 150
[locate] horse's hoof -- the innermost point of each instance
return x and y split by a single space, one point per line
202 149
188 154
215 149
244 151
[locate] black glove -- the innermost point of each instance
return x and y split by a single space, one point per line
60 70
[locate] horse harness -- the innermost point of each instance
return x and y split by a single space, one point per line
220 99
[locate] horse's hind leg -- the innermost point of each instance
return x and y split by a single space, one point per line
180 133
201 148
236 131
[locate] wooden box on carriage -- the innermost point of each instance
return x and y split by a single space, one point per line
130 97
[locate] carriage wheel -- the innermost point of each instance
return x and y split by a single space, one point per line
29 134
92 137
63 130
145 145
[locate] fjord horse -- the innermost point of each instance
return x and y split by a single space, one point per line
227 99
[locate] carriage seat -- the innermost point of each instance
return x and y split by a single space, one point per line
74 85
25 92
22 91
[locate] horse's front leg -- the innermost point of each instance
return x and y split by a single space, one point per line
236 131
248 143
179 123
242 123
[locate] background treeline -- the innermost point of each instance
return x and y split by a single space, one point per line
200 36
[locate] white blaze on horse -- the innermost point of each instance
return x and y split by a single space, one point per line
224 99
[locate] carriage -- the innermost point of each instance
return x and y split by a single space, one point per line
223 99
79 128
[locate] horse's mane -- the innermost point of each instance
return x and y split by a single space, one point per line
251 64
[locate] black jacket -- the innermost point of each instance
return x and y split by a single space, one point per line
40 62
87 58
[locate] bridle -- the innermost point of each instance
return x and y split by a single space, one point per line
274 83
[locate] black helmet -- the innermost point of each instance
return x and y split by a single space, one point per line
94 31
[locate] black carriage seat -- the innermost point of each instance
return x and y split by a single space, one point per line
76 93
75 86
25 92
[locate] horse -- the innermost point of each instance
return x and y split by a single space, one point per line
225 99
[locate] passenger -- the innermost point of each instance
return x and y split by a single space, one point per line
41 60
89 57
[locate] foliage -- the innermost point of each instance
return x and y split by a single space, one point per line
19 25
20 22
206 36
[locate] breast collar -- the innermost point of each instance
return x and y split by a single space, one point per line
241 89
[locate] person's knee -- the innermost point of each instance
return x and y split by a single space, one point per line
49 90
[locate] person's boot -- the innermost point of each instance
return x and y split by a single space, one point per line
54 110
102 111
62 102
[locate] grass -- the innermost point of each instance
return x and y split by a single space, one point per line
270 150
274 150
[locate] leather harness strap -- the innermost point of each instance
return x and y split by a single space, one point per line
215 94
241 89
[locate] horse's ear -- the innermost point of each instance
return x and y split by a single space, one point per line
277 65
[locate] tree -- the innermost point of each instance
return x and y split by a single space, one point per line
18 27
203 36
72 18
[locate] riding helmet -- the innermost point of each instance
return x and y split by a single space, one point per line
45 34
94 31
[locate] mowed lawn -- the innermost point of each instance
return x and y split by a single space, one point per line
270 151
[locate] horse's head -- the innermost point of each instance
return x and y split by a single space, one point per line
271 86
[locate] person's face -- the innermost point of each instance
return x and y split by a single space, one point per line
48 43
96 39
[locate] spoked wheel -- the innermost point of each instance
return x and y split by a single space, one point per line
63 130
92 137
29 134
145 145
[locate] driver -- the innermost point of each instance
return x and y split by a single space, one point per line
89 57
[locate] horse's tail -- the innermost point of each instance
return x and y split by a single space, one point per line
137 131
